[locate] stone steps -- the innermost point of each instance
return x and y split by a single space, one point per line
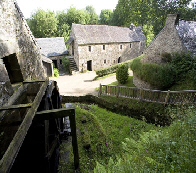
73 65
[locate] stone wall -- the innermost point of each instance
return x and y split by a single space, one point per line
111 55
167 40
16 38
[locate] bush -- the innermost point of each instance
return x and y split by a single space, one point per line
122 74
66 64
160 76
112 69
184 64
56 72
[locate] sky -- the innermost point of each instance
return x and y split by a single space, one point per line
30 6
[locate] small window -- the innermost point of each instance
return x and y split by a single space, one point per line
60 61
104 61
103 47
130 45
114 61
89 48
121 46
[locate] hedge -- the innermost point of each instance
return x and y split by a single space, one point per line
112 69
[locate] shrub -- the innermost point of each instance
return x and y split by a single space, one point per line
184 64
160 76
122 74
56 72
66 64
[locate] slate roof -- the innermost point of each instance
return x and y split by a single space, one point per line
52 46
90 34
187 33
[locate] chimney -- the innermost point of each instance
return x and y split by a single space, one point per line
132 27
172 20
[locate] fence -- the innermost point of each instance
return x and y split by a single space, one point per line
157 96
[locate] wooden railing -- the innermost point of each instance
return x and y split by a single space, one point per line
157 96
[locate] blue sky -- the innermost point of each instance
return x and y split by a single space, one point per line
30 6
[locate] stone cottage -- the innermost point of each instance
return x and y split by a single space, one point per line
98 46
176 36
54 49
20 57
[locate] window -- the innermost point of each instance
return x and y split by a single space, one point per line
114 61
60 61
103 47
121 46
89 48
104 61
130 45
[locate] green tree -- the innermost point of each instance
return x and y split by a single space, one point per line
92 15
76 16
105 16
43 23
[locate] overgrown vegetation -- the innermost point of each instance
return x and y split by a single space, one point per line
122 74
160 76
178 67
112 69
123 144
56 72
168 149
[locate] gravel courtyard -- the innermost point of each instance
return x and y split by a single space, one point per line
81 84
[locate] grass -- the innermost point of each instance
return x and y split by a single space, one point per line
103 77
105 131
128 84
123 144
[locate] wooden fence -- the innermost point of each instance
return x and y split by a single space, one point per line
157 96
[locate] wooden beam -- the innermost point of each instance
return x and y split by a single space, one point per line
74 140
54 113
33 81
16 106
8 158
52 148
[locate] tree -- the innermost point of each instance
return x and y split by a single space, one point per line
105 16
92 14
43 23
76 16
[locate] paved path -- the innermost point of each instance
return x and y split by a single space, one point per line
81 83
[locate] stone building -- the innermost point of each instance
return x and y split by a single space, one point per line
98 46
176 36
20 57
54 49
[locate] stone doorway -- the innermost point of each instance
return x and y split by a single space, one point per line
119 60
89 65
13 68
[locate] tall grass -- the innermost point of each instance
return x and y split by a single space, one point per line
169 149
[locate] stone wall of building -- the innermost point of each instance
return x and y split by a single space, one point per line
16 38
104 55
167 40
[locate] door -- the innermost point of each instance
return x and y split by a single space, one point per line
89 65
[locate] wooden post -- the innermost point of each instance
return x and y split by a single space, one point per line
100 90
118 91
141 94
74 140
167 96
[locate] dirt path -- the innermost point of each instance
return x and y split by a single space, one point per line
81 83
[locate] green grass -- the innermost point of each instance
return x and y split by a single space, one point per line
128 84
123 144
103 77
